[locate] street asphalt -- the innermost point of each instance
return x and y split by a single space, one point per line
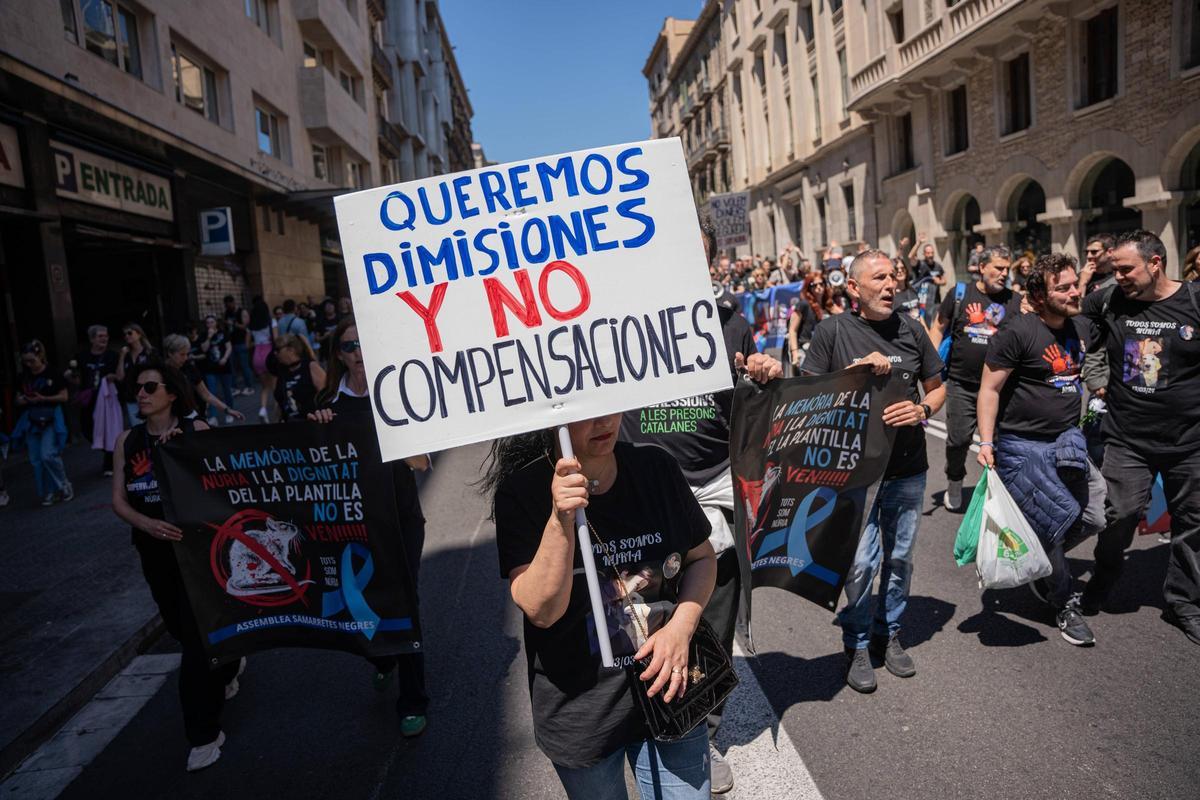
1001 706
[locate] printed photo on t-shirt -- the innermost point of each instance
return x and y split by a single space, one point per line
1145 363
635 604
1064 362
982 323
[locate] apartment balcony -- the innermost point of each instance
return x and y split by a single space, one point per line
381 65
328 23
391 137
944 48
377 9
331 115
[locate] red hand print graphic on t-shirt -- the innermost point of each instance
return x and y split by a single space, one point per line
1058 360
974 313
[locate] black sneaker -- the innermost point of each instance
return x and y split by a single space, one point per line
1073 628
1190 625
897 661
1089 605
860 675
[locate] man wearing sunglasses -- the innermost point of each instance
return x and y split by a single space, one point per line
1097 275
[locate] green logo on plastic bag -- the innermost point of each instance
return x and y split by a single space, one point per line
1012 546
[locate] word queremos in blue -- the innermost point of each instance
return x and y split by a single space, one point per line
530 239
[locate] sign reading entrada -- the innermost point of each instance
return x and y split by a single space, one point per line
90 178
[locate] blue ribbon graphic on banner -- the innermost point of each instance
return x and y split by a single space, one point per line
350 594
796 535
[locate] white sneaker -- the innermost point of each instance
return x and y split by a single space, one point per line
231 689
263 415
68 493
229 419
953 498
205 755
48 500
3 499
212 422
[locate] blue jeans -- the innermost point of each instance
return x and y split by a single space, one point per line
887 543
241 365
49 474
221 385
663 770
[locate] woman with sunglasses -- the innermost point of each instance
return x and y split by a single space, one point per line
164 401
346 397
41 424
657 573
298 377
136 350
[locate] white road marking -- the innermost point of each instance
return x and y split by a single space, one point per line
765 763
46 773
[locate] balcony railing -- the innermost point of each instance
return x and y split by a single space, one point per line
391 136
381 63
965 14
872 74
922 44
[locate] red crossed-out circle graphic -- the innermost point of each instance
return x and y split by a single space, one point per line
234 528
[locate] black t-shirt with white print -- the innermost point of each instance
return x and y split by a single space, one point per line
980 316
1154 368
838 341
1043 395
647 521
696 429
907 302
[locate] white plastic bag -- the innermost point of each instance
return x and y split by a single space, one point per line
1010 553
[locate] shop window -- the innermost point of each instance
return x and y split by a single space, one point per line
195 84
70 30
1017 97
851 222
267 127
1099 47
1190 34
320 163
957 139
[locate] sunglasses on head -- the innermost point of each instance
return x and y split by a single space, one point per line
149 387
348 346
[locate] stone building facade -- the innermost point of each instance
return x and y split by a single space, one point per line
122 125
1033 123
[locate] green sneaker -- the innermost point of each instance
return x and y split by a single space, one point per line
413 725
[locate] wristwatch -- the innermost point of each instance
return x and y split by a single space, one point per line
926 410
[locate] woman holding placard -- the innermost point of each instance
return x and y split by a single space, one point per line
346 397
657 570
164 401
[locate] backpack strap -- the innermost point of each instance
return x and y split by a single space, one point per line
1108 296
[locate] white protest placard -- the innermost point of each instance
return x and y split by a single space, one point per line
528 295
731 217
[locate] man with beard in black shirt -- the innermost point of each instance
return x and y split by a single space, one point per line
695 431
1031 390
971 315
888 341
1150 327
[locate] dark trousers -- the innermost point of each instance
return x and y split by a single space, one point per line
1088 491
1130 474
410 667
201 690
960 427
721 613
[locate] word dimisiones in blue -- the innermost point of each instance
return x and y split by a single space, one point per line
566 360
532 240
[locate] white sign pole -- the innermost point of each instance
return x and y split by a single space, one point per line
589 564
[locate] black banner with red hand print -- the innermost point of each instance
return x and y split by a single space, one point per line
290 539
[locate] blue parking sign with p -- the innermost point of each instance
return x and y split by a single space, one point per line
216 232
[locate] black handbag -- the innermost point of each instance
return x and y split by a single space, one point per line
710 679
